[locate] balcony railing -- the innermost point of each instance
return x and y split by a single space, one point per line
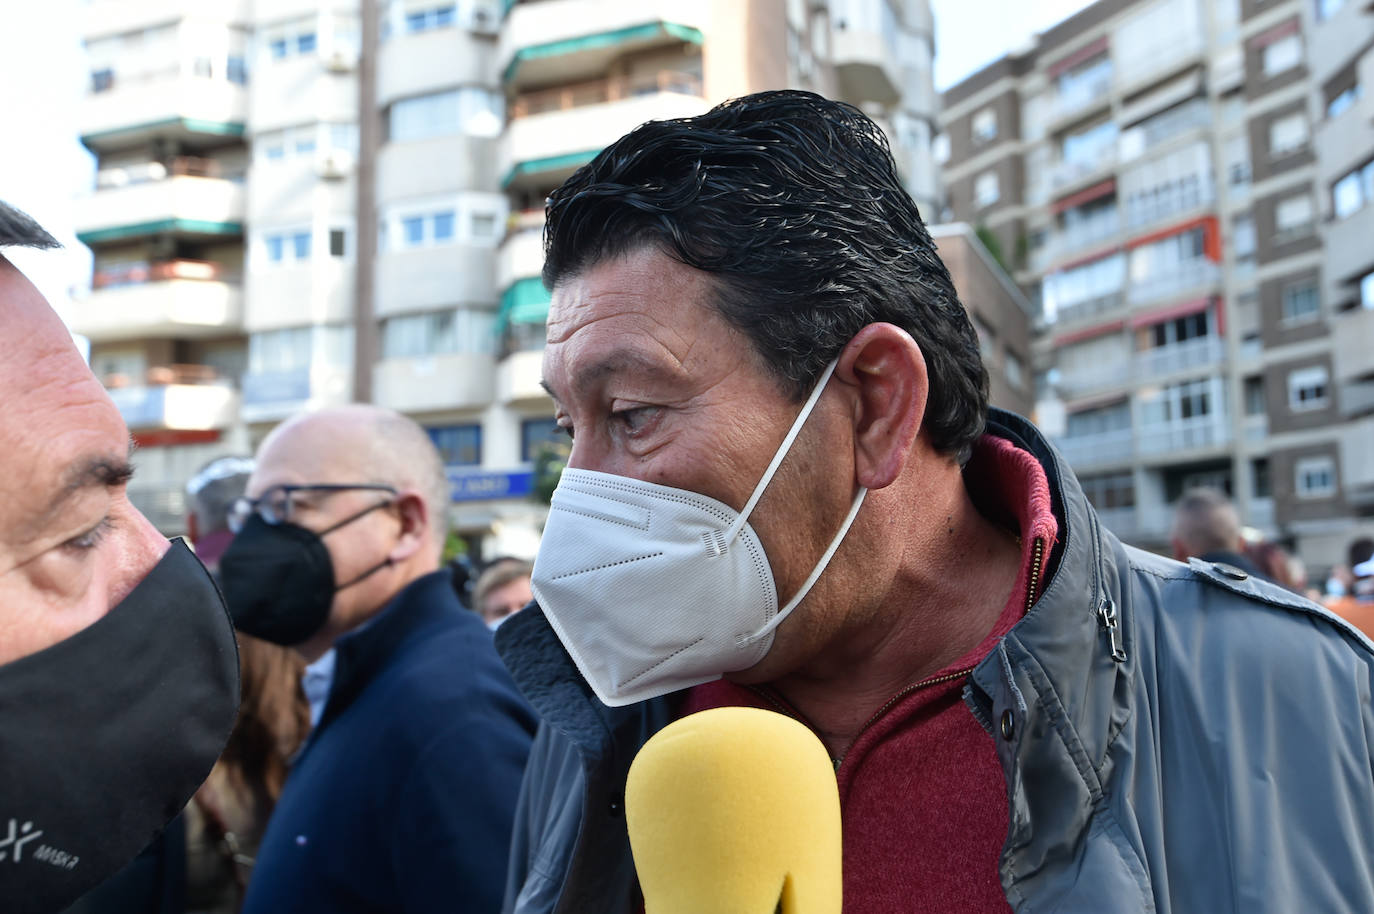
1089 308
1164 360
1074 170
1081 381
1175 281
1066 104
1116 446
137 272
145 172
1067 242
596 92
1185 434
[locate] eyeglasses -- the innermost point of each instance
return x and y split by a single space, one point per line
275 504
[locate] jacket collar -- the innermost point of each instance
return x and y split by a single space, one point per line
362 654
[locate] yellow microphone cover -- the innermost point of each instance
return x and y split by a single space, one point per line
735 811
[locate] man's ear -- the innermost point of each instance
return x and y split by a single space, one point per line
413 514
886 366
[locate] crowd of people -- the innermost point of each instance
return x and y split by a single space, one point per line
786 491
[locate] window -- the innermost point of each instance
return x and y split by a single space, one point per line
290 246
484 226
1014 368
1164 258
458 445
466 218
296 143
468 111
1087 288
1261 485
305 43
300 245
985 189
1367 291
536 434
1102 420
1287 134
1255 404
1300 303
236 69
939 148
1243 242
1282 55
1328 8
438 333
338 242
1315 477
1085 82
1293 216
1116 490
292 40
1091 147
1181 329
442 226
435 18
1179 402
1307 389
413 230
102 80
1165 186
1343 101
1354 191
278 48
295 348
276 246
1237 154
984 126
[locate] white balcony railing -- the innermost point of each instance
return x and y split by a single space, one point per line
1068 104
1089 308
1186 277
1074 170
1084 380
1164 360
1116 446
1185 434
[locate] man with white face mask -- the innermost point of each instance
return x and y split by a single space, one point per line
786 490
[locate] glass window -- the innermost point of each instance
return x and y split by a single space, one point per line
537 433
1014 369
471 111
1307 389
445 15
1113 491
1338 105
1282 55
939 148
1254 396
458 445
1353 191
443 226
305 142
1367 291
417 20
1092 146
1293 215
1300 303
1287 134
483 226
338 242
413 230
277 47
236 70
275 248
1098 421
274 152
300 245
984 125
305 43
1328 8
985 189
1315 477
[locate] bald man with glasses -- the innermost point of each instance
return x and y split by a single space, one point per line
403 797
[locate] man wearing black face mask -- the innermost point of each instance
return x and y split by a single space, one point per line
403 798
118 668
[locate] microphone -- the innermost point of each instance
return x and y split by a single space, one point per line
735 811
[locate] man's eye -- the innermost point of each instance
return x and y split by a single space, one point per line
91 538
636 419
560 429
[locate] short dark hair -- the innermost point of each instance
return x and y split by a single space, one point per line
18 229
1360 551
792 202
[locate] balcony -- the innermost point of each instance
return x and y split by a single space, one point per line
177 406
455 380
275 395
1194 434
301 89
1072 172
865 61
446 164
163 105
1353 334
418 63
433 277
1227 70
518 376
1198 353
553 133
522 253
1195 277
1080 382
1256 428
1089 309
1343 143
1067 244
1084 97
563 41
155 199
100 18
319 291
1330 41
1349 254
1117 446
176 298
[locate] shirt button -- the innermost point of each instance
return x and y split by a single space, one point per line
1008 725
1231 571
616 806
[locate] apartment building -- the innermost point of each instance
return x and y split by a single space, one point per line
307 202
1150 168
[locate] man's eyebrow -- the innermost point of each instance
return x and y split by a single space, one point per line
589 374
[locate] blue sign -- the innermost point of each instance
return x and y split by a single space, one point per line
466 485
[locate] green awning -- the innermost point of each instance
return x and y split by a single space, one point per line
600 40
506 5
189 124
525 301
549 163
159 227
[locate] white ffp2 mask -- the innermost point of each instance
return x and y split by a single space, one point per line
653 589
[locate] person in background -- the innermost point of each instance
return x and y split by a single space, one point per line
226 819
1357 606
1206 527
1275 563
402 798
118 673
502 590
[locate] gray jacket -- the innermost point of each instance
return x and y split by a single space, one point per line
1175 738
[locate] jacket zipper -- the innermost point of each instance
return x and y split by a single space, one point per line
1106 609
1036 569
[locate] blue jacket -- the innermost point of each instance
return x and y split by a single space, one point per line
1174 738
402 799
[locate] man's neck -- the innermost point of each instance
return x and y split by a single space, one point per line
943 598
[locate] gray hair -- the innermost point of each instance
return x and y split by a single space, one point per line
1205 521
18 229
211 492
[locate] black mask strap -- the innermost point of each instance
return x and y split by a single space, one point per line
352 517
366 574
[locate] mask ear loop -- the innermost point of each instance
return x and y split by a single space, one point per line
781 453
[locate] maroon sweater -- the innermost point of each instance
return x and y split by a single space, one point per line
922 794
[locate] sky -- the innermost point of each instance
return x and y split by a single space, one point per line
42 77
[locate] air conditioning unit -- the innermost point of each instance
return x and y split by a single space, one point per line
340 60
485 20
334 164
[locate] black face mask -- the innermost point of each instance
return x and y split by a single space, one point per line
105 736
278 579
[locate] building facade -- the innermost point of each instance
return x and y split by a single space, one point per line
309 202
1160 175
